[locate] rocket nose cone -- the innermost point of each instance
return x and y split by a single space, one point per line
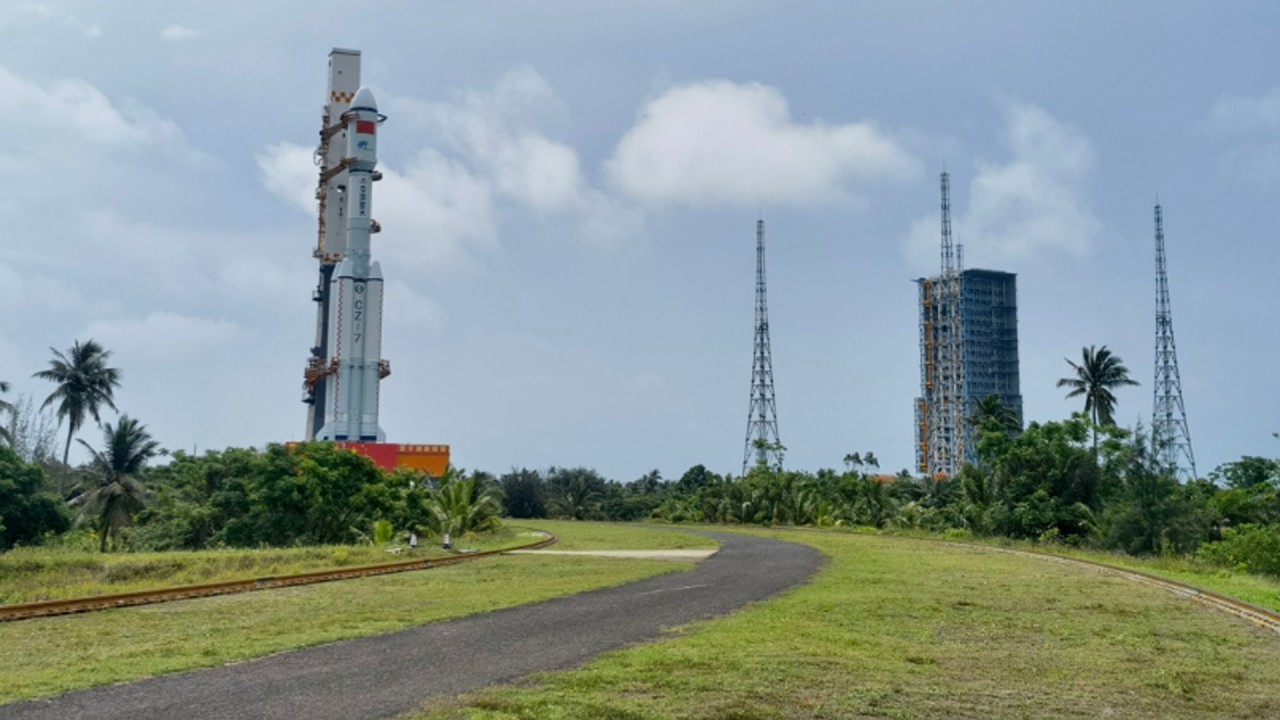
364 100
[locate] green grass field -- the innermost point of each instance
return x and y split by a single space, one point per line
898 628
575 535
47 656
37 573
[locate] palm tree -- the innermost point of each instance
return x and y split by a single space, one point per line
113 491
1098 372
6 408
463 504
992 407
85 384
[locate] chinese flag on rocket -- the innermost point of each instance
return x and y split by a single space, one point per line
366 127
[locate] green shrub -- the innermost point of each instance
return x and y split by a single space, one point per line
1252 548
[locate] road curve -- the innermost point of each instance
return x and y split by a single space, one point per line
386 675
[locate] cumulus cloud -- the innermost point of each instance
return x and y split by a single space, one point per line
80 114
718 142
178 33
494 132
1032 204
289 172
442 208
434 212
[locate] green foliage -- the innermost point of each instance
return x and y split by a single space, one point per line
1249 548
1097 374
1045 479
26 513
576 493
84 385
113 490
6 408
523 494
1247 472
1150 512
461 504
311 494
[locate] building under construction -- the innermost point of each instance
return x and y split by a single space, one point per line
968 352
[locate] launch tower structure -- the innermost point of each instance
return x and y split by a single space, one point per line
342 378
762 413
1170 435
941 410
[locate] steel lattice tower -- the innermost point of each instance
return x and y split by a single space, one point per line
762 414
946 406
1169 433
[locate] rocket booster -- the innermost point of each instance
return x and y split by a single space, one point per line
355 291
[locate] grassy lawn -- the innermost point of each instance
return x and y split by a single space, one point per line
47 656
36 573
1258 589
619 536
898 628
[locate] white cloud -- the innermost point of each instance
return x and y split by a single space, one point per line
443 207
492 133
434 213
79 112
178 33
289 172
164 337
1031 205
717 142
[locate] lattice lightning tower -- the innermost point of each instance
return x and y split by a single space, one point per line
762 414
1169 433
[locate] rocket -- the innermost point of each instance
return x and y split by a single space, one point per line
354 322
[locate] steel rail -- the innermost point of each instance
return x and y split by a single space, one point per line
1260 616
47 608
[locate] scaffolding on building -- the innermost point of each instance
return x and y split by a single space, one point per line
968 351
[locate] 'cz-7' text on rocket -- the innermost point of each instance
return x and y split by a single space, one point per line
355 292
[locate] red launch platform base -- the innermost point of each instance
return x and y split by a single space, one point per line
431 459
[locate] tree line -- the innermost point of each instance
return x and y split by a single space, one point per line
1081 480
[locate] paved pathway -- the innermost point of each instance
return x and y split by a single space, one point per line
390 674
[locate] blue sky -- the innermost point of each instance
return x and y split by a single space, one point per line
570 203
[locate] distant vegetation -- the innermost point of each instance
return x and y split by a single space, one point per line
1081 481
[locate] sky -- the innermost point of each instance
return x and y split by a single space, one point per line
570 201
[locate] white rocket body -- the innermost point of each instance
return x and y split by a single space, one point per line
355 292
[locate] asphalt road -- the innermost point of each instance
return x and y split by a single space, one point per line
390 674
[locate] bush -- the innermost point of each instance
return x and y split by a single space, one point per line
1251 548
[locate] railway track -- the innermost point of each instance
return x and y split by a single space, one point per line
1260 616
46 608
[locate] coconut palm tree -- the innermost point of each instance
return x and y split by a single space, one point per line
6 408
113 490
1097 374
85 385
